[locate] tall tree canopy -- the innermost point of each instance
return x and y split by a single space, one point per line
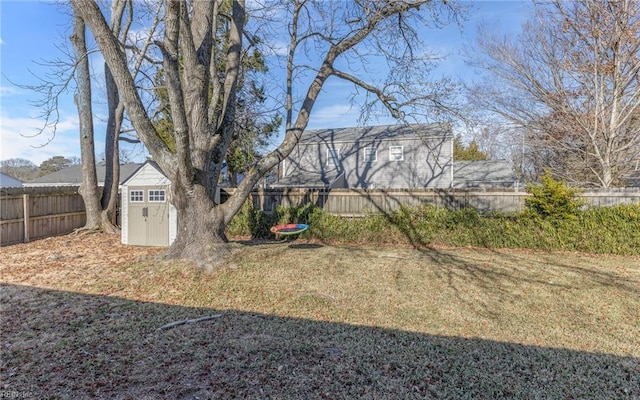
571 83
254 124
203 79
54 164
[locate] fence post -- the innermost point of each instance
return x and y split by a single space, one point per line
25 214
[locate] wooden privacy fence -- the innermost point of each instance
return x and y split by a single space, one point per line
33 213
355 202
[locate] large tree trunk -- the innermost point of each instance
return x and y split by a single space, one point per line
201 234
89 187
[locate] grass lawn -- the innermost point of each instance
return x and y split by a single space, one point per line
82 317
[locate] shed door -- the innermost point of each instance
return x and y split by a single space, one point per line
148 216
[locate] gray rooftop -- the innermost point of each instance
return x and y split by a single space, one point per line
376 133
9 181
72 176
483 173
307 179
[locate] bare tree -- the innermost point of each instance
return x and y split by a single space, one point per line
89 186
101 205
75 67
115 114
19 168
201 130
571 81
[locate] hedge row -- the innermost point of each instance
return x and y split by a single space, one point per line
607 230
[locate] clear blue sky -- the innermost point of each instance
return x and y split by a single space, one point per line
31 33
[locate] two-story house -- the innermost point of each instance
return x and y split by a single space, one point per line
390 156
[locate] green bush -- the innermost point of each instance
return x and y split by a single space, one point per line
552 199
606 230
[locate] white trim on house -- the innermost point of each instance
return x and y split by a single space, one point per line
393 153
368 153
333 157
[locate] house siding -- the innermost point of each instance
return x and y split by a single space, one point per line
426 162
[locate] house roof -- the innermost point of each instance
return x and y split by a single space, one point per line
376 133
72 176
307 179
483 173
9 181
632 178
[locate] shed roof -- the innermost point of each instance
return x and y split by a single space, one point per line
72 176
376 133
140 166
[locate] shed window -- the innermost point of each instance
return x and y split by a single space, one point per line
157 196
370 155
396 153
136 196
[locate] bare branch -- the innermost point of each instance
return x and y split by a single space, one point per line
388 101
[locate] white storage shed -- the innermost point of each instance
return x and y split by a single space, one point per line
148 219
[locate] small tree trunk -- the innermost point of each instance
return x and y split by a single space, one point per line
233 179
112 158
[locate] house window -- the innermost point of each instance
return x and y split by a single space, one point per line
156 196
333 157
370 155
396 153
136 196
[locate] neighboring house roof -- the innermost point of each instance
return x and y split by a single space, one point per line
632 178
72 176
308 179
485 173
9 181
375 133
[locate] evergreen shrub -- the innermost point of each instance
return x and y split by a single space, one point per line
553 199
605 230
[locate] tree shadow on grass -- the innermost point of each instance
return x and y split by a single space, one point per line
69 345
456 269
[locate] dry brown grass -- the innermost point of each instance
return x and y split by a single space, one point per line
304 320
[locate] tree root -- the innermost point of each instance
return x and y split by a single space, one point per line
85 231
189 321
109 229
209 257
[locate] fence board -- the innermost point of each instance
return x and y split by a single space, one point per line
59 210
33 213
354 202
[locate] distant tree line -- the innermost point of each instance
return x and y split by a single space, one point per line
26 170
